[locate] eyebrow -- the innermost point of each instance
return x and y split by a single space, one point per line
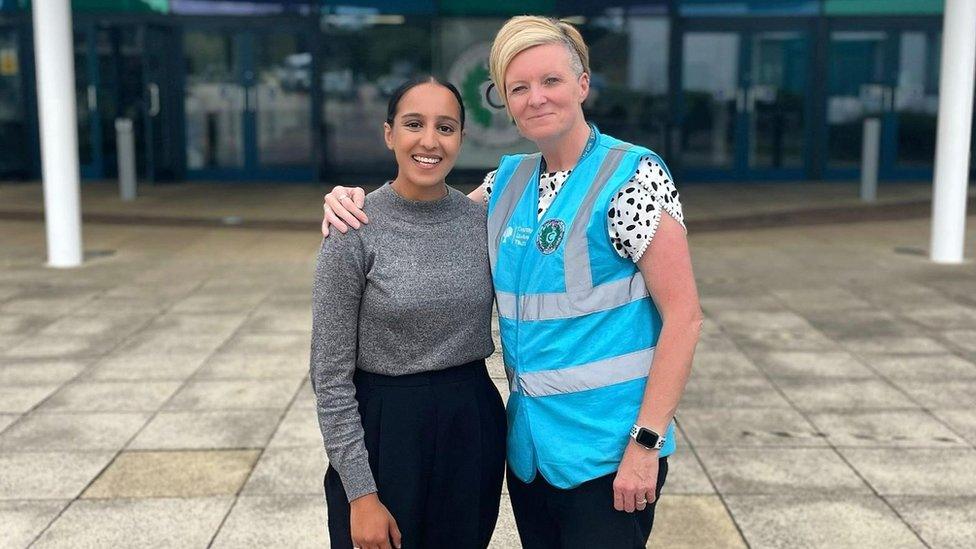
418 115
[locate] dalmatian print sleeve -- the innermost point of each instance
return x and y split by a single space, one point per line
635 211
487 185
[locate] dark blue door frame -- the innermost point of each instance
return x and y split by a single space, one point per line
746 29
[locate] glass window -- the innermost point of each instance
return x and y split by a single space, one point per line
629 85
916 99
363 61
13 153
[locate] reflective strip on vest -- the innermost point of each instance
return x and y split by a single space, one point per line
507 202
563 305
593 375
576 255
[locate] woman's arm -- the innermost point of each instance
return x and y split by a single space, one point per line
339 282
666 268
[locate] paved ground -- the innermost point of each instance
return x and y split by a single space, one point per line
157 396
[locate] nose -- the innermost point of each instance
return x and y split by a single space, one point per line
537 97
428 139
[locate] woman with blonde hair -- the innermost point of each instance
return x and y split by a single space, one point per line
597 304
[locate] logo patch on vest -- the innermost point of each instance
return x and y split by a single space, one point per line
550 235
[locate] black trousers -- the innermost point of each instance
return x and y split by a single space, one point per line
579 518
436 443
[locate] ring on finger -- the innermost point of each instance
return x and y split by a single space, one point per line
344 197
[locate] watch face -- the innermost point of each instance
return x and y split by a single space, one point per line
647 438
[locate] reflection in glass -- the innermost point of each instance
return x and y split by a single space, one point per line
213 101
283 96
776 100
710 88
13 153
84 102
629 86
856 88
916 98
361 66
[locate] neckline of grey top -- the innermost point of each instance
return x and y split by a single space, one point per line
420 212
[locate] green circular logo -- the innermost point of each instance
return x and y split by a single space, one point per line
550 235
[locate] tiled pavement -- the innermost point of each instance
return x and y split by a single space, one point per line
157 395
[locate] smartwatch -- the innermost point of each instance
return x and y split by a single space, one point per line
647 438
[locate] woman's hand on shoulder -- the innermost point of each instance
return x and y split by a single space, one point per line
343 208
371 524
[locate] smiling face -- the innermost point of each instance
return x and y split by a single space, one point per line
425 137
544 94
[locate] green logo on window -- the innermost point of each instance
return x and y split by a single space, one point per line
550 235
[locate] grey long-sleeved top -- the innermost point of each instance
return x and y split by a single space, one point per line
409 292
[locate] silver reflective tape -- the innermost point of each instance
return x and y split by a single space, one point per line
506 304
567 305
576 255
507 202
510 374
584 377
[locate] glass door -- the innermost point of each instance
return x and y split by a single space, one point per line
87 100
160 105
745 101
247 105
891 75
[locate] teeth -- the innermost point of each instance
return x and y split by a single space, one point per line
426 159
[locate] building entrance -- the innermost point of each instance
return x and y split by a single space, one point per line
744 104
247 104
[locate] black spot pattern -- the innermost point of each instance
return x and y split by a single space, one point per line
649 192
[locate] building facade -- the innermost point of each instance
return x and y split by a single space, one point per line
743 90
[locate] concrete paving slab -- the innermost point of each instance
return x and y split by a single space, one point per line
941 394
72 431
253 366
832 299
121 366
299 428
860 323
685 473
921 368
744 392
24 324
949 523
283 471
506 534
964 339
815 394
39 372
746 321
785 340
67 346
20 399
220 326
811 364
907 345
8 419
962 421
50 300
275 521
231 395
496 365
261 344
21 521
712 303
149 342
136 523
280 320
184 474
111 396
780 471
9 341
919 472
222 303
116 326
48 475
745 427
722 364
946 317
204 430
886 428
105 305
693 522
819 521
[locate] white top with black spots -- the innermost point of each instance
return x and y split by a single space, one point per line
635 211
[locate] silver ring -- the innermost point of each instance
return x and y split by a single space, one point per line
642 502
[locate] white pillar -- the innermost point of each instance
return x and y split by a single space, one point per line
53 52
952 142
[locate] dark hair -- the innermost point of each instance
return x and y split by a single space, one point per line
391 108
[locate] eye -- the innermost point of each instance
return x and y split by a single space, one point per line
517 89
446 128
551 80
412 124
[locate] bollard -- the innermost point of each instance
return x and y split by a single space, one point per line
125 147
870 149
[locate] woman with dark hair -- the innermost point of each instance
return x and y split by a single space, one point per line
413 426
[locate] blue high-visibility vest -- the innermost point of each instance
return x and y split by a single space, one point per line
578 327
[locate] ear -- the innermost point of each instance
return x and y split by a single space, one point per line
388 135
584 82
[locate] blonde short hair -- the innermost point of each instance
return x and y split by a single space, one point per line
525 31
